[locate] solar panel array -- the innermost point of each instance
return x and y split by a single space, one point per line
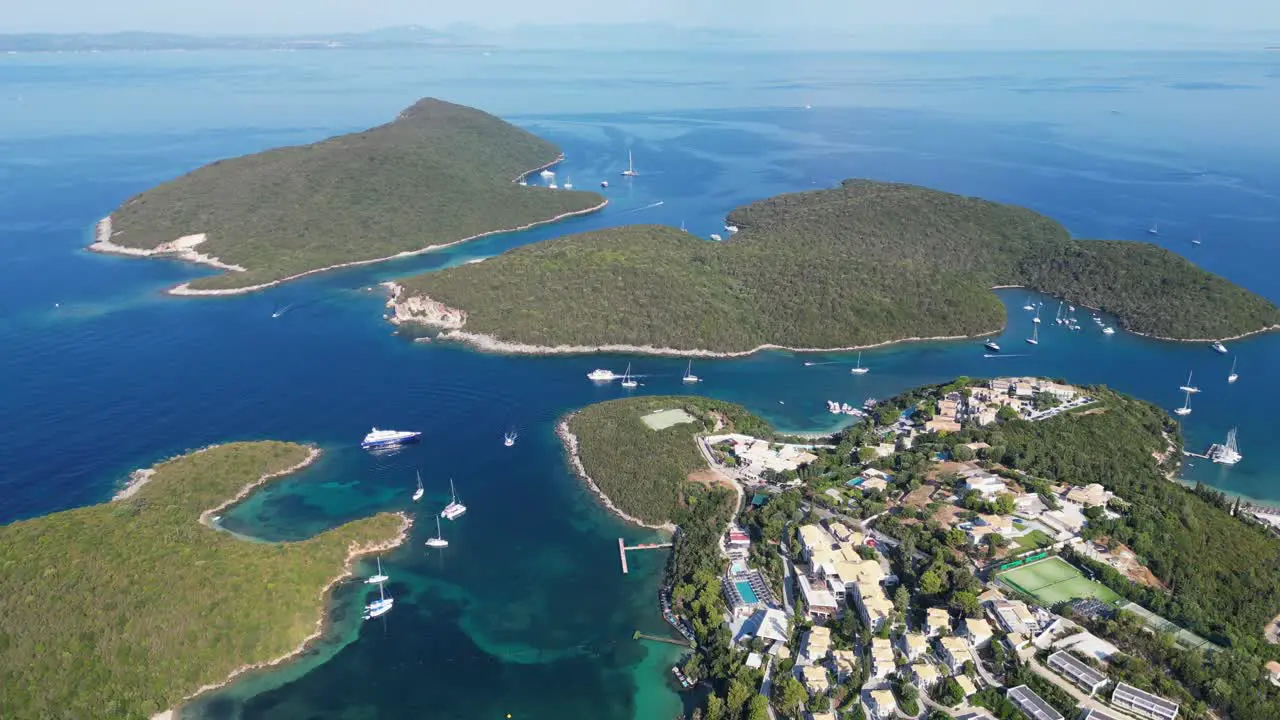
1076 671
1032 704
1143 703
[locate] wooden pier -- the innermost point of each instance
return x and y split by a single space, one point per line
645 636
623 548
1188 453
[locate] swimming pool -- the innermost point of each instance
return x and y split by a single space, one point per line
748 595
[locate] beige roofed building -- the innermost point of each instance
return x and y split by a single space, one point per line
815 679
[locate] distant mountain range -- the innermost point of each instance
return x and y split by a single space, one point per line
400 37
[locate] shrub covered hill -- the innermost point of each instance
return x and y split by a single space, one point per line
437 174
864 263
121 610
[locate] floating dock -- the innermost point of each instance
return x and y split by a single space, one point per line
623 548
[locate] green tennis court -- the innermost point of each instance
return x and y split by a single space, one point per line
1054 580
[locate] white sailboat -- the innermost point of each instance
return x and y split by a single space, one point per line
509 439
568 183
1155 228
631 167
380 606
1029 306
417 494
628 381
454 509
1234 376
1035 335
1189 388
858 369
1197 240
379 578
1186 406
438 541
1036 319
689 377
1227 453
1057 318
552 184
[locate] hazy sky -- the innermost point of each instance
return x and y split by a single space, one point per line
277 16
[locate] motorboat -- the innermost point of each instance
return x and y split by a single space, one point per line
1218 347
599 375
389 438
991 345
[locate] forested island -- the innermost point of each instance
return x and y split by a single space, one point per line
123 609
438 174
858 265
1201 563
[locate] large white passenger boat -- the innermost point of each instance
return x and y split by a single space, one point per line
389 438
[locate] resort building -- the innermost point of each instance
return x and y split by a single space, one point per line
873 479
814 539
819 600
844 662
1128 697
754 660
1090 495
983 483
925 675
772 626
954 652
815 679
817 643
966 685
843 534
1080 674
747 591
882 704
881 657
1015 617
914 645
936 621
873 605
978 631
1031 704
738 538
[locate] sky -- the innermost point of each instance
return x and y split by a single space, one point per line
1041 18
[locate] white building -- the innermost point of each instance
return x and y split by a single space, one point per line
978 631
882 704
936 621
1083 676
1139 702
1031 704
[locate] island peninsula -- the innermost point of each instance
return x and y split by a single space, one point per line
922 549
124 609
862 264
437 175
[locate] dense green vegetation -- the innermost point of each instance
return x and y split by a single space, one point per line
644 471
863 263
438 173
121 609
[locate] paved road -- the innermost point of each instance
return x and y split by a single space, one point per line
987 677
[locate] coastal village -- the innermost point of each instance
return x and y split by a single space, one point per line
841 633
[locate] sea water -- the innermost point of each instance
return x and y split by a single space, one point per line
526 612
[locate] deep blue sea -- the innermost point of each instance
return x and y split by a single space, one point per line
526 611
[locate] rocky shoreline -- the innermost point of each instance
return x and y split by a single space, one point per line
570 442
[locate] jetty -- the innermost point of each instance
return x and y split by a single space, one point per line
670 641
623 548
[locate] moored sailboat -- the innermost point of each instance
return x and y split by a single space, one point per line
858 369
454 509
1234 376
628 381
689 377
1227 453
379 578
438 541
417 494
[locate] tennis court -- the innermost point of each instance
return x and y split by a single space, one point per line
1054 580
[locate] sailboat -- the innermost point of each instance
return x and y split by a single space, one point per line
417 494
858 369
438 541
1233 376
631 167
1036 319
1186 406
1189 388
379 578
689 377
1057 318
1227 453
568 183
1029 306
509 439
1197 240
1155 228
380 606
552 184
1035 335
628 382
454 509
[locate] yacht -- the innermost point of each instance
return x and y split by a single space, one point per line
858 369
833 407
1227 453
546 175
604 184
379 578
568 183
1189 387
599 375
1234 376
380 606
628 381
631 167
509 439
1196 241
389 438
716 237
1108 330
731 229
1035 335
1186 406
689 377
552 185
1218 347
991 345
417 494
524 182
438 541
454 509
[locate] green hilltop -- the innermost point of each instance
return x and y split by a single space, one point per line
437 174
123 609
863 263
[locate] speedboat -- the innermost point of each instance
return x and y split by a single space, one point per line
509 439
1108 330
599 375
389 438
991 345
1218 347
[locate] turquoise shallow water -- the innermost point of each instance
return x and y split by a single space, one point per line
526 611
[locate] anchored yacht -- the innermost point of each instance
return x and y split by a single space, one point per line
599 375
389 438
